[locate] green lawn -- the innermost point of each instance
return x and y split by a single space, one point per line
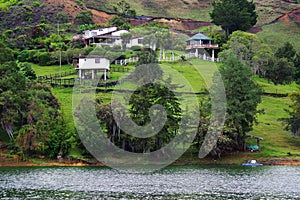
47 70
64 96
277 142
276 89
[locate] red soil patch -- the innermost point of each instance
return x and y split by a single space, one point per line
101 17
293 16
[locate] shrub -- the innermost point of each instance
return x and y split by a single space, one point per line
44 58
28 56
136 48
55 56
36 4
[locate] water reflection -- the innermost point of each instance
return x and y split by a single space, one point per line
169 183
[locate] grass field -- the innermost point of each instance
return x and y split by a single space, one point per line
276 141
279 33
47 70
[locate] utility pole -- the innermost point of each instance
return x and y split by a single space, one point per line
58 33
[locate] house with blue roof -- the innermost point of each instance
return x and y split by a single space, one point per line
198 44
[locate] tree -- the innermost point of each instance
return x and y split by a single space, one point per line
124 13
280 71
126 37
297 66
293 122
234 15
29 113
6 54
243 97
156 36
147 67
249 49
286 51
27 70
123 9
119 22
84 17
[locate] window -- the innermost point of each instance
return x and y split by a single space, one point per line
97 60
140 41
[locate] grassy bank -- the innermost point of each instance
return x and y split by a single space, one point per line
277 142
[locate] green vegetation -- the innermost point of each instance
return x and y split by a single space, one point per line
30 115
233 15
243 96
44 124
277 34
293 121
48 70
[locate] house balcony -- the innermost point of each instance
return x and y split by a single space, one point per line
202 46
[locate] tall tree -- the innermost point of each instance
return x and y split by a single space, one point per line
84 17
280 71
123 9
293 122
124 13
234 15
243 97
249 49
297 66
126 37
286 51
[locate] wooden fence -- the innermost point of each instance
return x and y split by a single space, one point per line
57 75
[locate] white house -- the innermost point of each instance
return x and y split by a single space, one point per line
93 66
110 37
197 45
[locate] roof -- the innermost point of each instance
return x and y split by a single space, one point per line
199 36
92 56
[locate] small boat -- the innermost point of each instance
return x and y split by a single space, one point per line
252 163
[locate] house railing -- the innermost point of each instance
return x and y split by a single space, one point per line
200 56
202 46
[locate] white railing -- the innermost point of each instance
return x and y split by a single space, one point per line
202 46
126 61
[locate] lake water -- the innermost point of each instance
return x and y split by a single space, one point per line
170 183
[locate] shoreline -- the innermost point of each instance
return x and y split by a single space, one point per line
56 163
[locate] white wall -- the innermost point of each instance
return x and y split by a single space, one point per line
90 63
119 33
100 31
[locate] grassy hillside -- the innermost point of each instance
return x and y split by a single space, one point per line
280 32
277 142
33 11
267 10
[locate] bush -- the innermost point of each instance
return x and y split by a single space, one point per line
55 56
36 4
44 58
28 56
116 48
23 56
136 48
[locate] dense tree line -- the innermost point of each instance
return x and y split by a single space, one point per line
29 113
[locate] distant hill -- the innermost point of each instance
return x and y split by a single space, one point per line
181 15
17 11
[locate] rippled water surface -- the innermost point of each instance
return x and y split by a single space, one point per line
170 183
